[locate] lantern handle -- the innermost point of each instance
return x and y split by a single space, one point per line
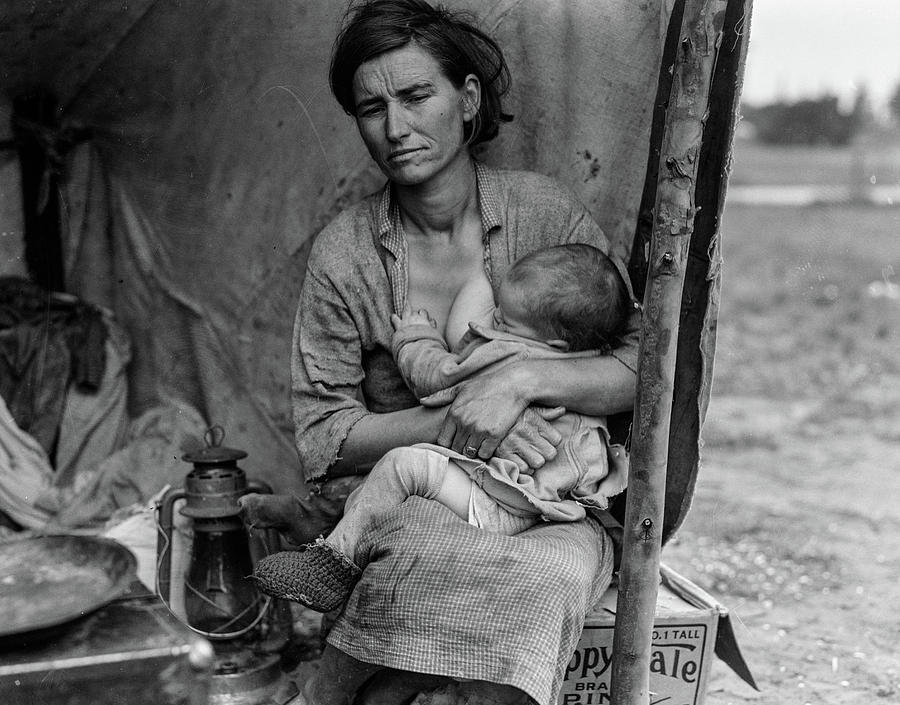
214 436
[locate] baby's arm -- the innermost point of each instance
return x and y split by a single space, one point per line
420 351
425 362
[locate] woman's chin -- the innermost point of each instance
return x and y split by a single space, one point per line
414 172
408 173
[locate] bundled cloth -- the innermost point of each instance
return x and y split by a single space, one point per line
48 341
31 492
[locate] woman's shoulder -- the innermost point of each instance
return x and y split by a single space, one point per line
348 234
533 186
538 202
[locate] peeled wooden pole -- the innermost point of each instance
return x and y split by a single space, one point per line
673 224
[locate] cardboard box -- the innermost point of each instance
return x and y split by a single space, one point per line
686 627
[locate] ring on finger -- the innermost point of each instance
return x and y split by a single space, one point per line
470 452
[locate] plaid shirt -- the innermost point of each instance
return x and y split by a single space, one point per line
437 595
341 362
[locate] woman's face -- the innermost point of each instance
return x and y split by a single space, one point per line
410 115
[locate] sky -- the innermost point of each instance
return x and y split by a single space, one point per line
806 48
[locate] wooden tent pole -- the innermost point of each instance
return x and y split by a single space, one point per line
674 212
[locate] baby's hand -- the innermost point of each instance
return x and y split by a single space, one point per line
412 318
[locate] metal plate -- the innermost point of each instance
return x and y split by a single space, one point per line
50 580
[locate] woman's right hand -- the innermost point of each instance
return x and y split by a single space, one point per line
532 440
490 417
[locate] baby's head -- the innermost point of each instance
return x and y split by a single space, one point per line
570 296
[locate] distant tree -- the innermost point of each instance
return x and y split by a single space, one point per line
894 103
808 122
862 115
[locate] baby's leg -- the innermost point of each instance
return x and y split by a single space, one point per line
322 575
401 473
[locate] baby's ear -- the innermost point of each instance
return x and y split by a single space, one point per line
558 344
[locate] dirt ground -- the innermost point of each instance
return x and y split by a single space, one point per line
795 524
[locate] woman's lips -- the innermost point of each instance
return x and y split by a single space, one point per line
402 154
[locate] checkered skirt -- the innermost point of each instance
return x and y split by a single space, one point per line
441 597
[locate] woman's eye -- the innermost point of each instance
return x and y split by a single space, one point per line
370 111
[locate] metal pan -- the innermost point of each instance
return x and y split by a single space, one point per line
47 581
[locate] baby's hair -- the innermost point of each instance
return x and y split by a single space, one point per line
574 293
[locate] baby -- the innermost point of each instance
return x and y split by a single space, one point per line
563 301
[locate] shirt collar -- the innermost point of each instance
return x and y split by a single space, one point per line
387 215
488 199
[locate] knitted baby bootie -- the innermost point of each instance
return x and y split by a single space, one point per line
318 576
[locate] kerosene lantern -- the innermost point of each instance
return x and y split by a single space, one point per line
221 602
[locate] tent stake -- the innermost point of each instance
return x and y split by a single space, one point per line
670 242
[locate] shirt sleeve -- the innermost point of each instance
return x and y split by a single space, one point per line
326 371
428 367
423 358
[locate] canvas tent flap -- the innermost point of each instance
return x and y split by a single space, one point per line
216 153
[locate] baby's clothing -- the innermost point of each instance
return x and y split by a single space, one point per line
587 471
488 514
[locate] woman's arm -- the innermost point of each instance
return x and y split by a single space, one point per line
484 410
375 434
597 386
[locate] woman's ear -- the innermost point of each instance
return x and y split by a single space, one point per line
471 98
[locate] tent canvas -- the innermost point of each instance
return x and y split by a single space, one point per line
212 153
198 153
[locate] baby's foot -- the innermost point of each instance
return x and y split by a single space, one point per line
318 576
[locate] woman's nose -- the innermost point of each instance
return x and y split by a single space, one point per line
397 123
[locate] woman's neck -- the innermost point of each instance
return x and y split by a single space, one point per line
439 206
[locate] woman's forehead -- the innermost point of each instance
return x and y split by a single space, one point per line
397 71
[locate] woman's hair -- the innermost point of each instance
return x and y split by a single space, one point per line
373 27
573 293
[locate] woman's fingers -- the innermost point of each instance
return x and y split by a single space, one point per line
482 412
533 453
487 447
534 426
532 440
549 413
485 426
460 440
477 448
447 433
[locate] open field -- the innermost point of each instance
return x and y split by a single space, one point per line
795 524
872 158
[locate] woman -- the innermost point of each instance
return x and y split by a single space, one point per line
438 596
